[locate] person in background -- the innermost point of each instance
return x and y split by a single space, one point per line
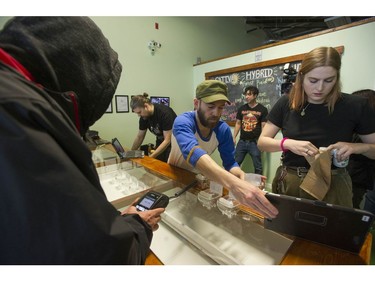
197 134
251 118
57 77
158 118
370 200
361 168
317 114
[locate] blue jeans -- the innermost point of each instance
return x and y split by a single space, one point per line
243 147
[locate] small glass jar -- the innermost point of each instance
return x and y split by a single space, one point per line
203 182
208 198
228 206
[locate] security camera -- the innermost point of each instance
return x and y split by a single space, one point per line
152 45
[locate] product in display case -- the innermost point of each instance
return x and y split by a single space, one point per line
208 198
222 239
203 182
228 206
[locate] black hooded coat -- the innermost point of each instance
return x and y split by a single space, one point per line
52 207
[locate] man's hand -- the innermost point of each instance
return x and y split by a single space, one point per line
237 171
152 217
253 197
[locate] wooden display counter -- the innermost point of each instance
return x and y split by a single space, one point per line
301 252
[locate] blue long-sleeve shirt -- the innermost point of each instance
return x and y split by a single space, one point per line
188 145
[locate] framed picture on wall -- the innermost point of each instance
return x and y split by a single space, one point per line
109 109
122 103
161 100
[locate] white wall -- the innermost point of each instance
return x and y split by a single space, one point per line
357 67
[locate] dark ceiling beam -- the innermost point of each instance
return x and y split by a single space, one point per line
296 26
283 28
283 20
295 33
308 28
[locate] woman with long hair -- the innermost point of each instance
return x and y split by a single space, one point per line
317 114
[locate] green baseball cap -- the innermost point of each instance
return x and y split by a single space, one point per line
210 91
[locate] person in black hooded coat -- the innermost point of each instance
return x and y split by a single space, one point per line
57 77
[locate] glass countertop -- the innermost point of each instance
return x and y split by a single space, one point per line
224 239
235 240
127 178
123 181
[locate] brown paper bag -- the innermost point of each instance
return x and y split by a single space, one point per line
318 179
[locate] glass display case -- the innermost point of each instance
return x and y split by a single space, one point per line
124 181
194 232
219 234
231 240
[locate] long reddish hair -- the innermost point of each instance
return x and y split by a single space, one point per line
322 56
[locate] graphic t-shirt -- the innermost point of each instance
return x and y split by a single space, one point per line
251 120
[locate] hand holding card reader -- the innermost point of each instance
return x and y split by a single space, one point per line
152 200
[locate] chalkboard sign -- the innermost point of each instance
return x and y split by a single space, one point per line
266 76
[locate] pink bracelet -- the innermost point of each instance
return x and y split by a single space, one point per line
282 144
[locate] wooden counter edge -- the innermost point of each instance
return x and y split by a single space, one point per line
152 259
303 252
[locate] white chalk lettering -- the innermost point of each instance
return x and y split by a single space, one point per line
258 74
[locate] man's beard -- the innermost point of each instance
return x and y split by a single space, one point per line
146 117
208 123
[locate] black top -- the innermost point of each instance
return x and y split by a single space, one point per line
161 120
351 115
361 169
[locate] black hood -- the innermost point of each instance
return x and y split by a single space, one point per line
66 54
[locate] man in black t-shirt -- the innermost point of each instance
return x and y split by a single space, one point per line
251 118
158 118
